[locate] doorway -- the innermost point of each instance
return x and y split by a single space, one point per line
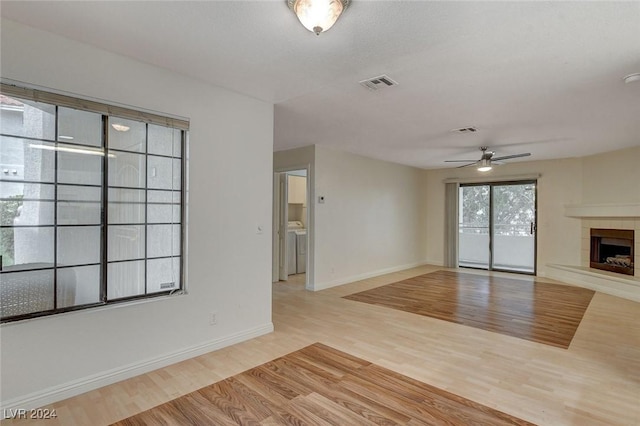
497 226
291 223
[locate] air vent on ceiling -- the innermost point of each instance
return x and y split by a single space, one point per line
465 130
379 82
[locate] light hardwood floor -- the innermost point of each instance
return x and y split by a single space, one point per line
319 385
596 381
537 311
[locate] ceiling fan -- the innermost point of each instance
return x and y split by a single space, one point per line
487 159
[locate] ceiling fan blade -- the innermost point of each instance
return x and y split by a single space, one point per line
468 165
459 161
506 157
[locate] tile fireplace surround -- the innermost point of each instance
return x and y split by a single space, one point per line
604 217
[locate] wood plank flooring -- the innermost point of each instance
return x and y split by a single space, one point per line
536 311
319 385
595 382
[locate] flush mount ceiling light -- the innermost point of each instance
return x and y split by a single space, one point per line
318 15
120 127
632 77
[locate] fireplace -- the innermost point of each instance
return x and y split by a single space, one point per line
612 250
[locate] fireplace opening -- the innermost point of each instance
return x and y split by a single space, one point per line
612 250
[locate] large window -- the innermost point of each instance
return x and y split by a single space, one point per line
91 204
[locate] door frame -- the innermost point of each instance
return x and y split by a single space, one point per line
280 241
491 184
277 199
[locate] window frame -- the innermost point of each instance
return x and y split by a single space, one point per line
107 112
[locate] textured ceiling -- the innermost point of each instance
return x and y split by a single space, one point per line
540 77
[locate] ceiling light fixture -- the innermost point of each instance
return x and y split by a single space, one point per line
120 127
632 77
484 165
318 15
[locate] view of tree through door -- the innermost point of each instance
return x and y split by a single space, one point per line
496 226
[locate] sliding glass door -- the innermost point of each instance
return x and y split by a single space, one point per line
514 223
474 226
497 226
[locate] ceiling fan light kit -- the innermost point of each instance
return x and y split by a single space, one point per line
484 165
318 15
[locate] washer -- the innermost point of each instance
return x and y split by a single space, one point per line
291 252
293 227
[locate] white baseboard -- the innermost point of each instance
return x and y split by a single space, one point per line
334 283
89 383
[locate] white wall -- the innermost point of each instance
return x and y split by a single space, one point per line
372 220
612 177
559 237
229 264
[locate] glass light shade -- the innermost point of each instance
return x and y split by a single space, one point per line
318 15
484 166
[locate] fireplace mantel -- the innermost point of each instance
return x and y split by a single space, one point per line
619 210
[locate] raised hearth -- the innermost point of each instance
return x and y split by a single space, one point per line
607 282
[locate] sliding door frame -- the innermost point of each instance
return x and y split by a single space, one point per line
491 185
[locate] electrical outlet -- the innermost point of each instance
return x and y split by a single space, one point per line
213 318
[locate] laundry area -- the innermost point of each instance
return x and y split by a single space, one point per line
296 245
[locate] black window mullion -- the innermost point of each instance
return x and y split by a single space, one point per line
55 216
36 182
183 204
33 138
126 151
60 225
53 142
105 211
146 206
